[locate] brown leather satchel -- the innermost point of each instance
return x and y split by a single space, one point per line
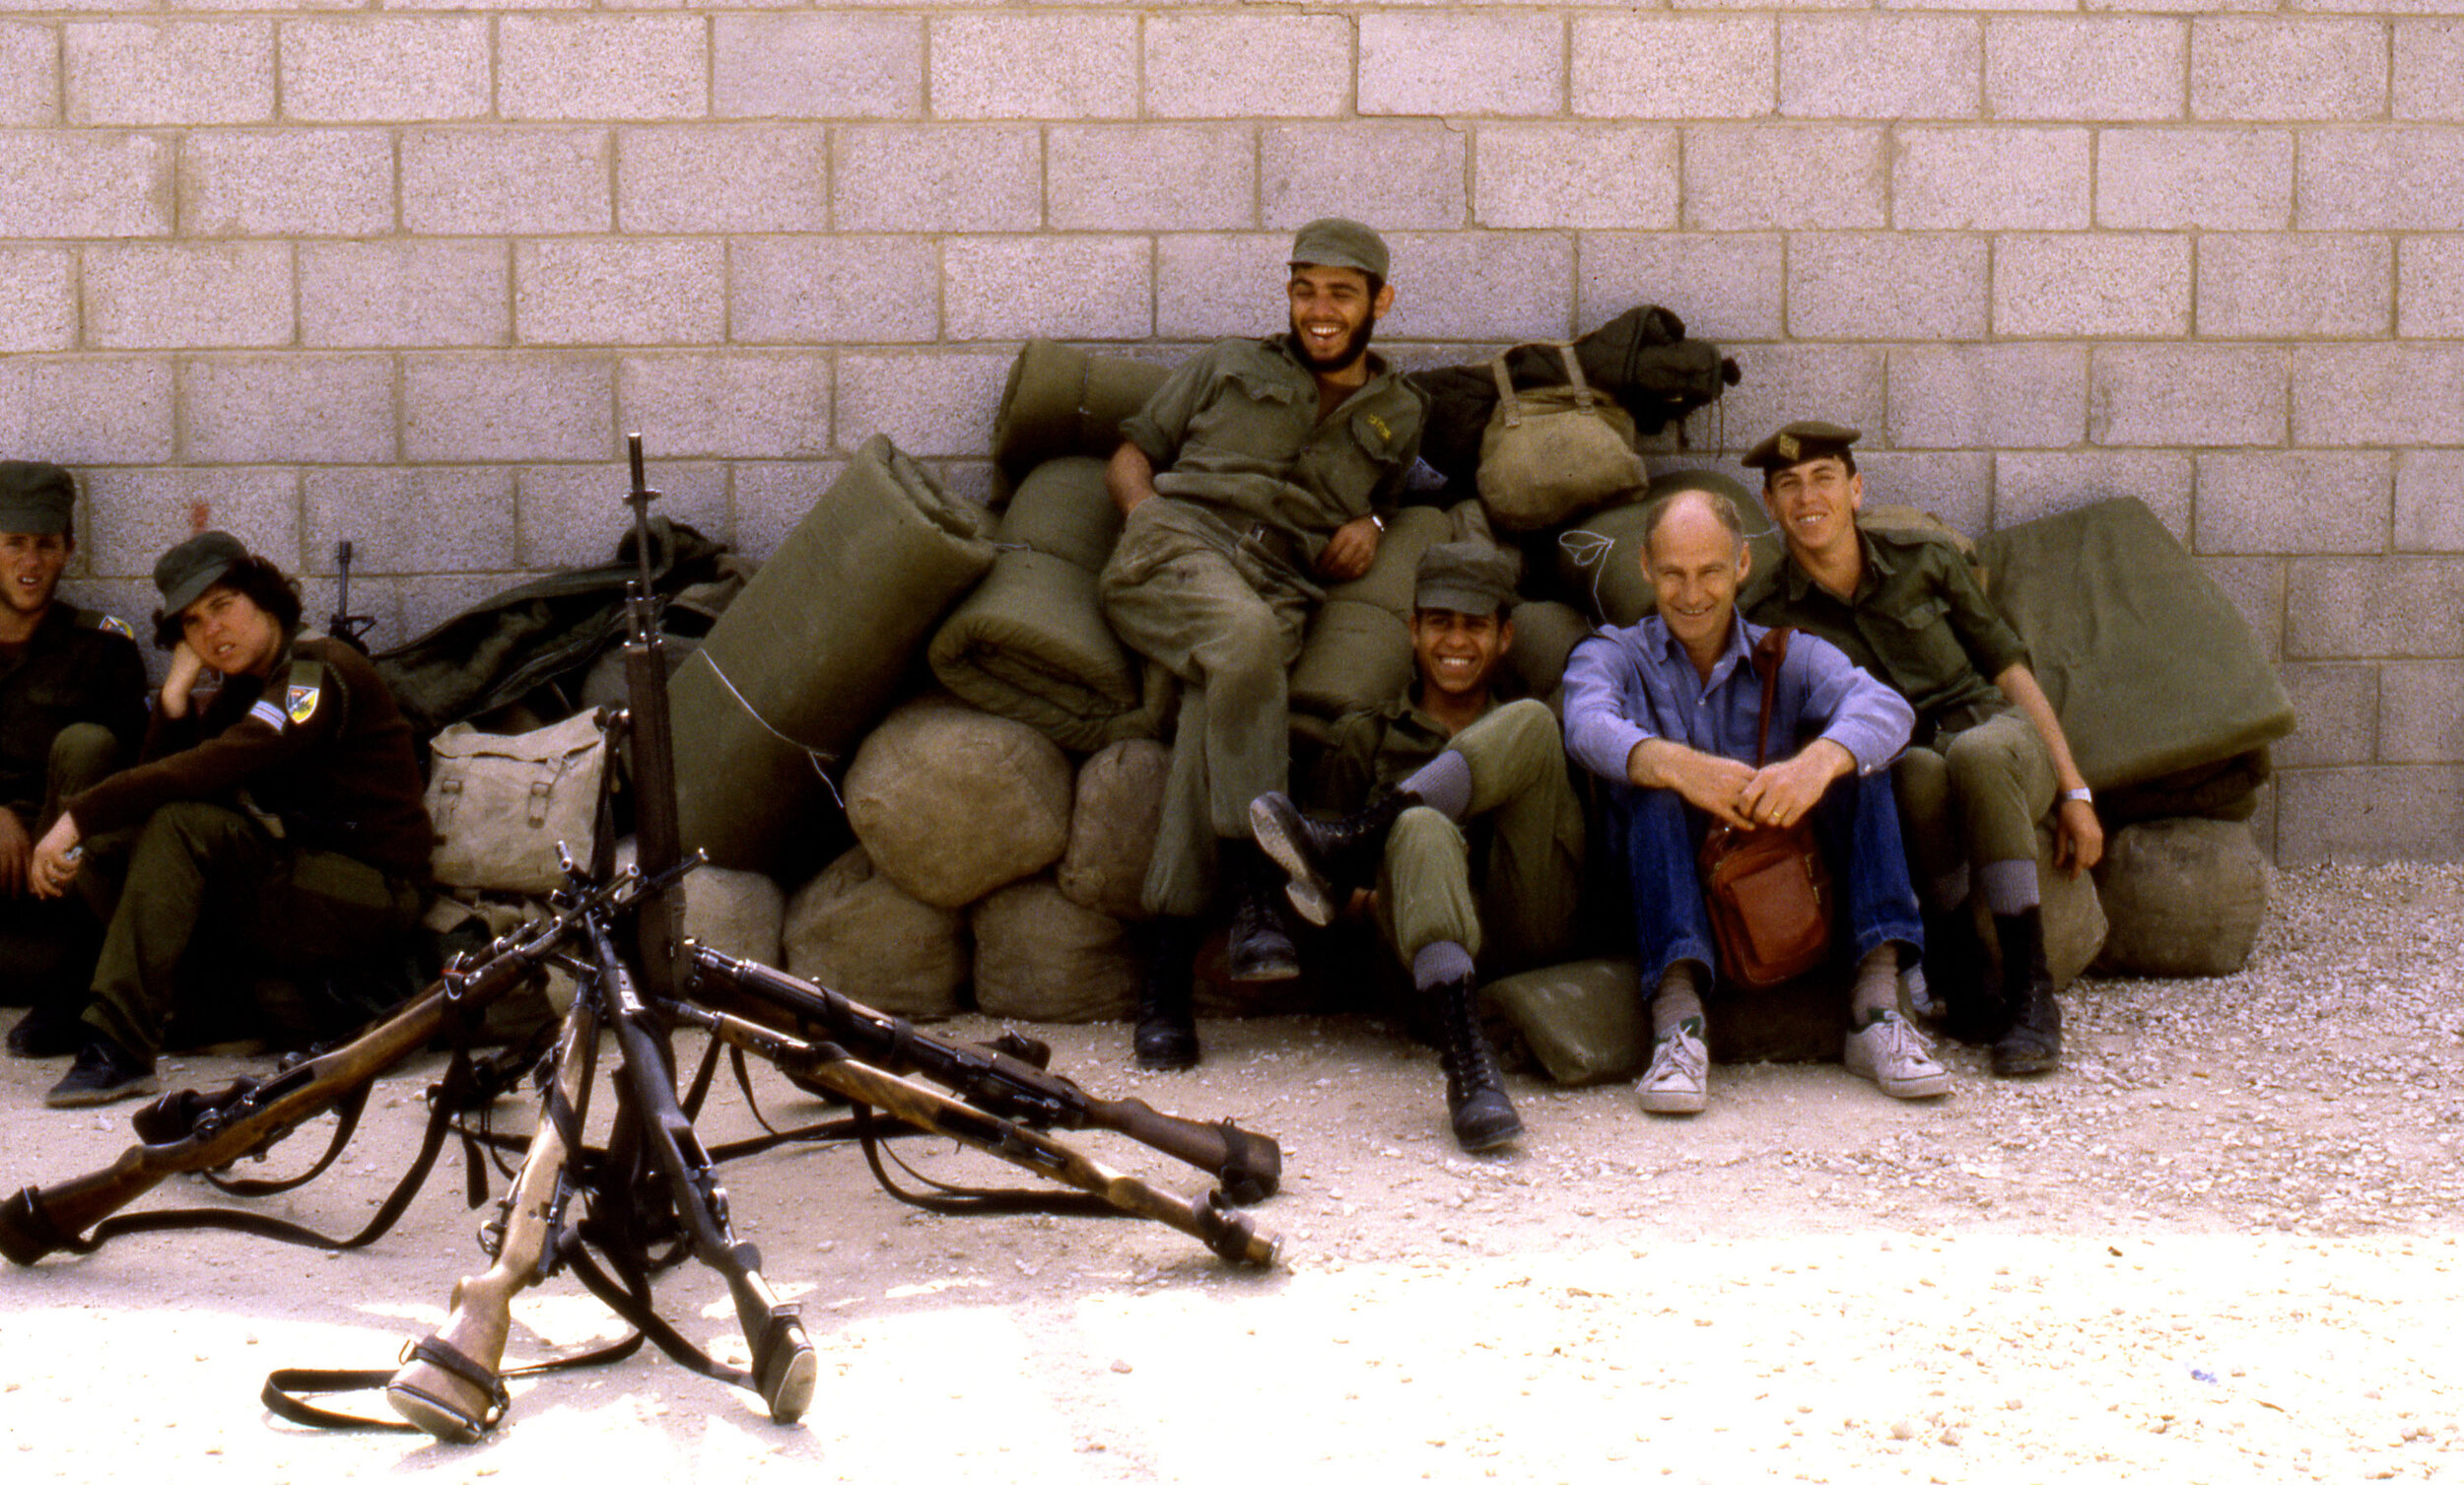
1768 892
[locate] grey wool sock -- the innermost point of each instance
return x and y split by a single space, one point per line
2010 886
1679 997
1439 964
1444 783
1877 987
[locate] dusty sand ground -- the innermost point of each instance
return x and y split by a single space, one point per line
2220 1245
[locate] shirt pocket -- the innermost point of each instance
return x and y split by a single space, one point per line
1925 651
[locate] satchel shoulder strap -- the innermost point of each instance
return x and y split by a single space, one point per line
1505 381
1768 653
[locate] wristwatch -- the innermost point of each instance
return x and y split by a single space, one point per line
2083 795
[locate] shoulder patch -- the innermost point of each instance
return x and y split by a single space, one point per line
300 703
113 624
267 712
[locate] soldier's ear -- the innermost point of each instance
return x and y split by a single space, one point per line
1385 302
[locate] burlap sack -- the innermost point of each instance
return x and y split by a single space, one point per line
951 803
852 930
1040 956
1358 651
2183 898
1111 828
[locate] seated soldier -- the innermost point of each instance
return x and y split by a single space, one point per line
277 823
72 708
1669 710
1449 787
1990 756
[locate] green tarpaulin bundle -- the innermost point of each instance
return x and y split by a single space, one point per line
1062 401
812 653
1358 651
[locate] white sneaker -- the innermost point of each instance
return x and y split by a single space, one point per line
1895 1058
1680 1072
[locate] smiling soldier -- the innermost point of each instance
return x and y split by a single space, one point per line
1257 469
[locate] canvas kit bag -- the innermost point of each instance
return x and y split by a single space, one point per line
1767 890
1555 453
503 805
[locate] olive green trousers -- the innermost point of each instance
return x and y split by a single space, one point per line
1973 798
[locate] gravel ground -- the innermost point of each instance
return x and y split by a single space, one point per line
2220 1245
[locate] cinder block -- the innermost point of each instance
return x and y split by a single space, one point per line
2293 285
2256 586
2094 284
1678 67
2339 608
1887 286
504 407
384 70
2429 69
2430 287
404 294
742 405
2374 814
1786 177
2422 712
287 182
135 515
1957 487
1247 66
1725 285
2296 500
770 498
2231 179
963 177
1991 178
930 404
655 292
575 516
1607 175
1088 288
169 72
2429 500
1785 383
292 408
2379 395
1971 396
29 74
37 298
1031 65
2408 178
629 67
830 290
87 409
411 521
1396 176
2030 486
1209 285
2276 67
1880 66
474 181
2089 67
1462 63
833 65
235 293
64 183
1117 177
1481 285
722 178
2335 712
2186 395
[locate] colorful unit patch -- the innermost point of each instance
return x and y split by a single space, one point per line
302 703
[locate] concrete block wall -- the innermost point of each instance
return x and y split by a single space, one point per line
405 271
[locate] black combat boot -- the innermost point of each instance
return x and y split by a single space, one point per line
1477 1102
2034 1041
1261 945
1166 1038
1968 1000
1324 859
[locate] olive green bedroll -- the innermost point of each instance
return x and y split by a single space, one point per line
1030 643
1060 401
2152 669
813 650
1357 655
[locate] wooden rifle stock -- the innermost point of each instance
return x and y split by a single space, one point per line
1229 1232
1248 1165
451 1386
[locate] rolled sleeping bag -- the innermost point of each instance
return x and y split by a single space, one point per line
1544 633
1599 558
1062 401
809 656
1358 651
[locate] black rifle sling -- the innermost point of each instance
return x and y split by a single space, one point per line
286 1391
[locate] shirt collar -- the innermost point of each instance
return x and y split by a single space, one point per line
1878 563
1737 652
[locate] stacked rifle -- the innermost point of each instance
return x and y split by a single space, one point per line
616 1215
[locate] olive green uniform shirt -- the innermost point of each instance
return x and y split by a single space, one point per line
1374 751
1918 622
1236 430
75 667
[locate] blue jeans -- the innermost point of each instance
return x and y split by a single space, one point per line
1656 835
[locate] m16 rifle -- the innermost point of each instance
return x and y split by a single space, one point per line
350 628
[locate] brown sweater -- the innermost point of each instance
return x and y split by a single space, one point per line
320 745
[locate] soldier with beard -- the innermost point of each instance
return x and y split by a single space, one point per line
1260 468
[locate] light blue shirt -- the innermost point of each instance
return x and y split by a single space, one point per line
1626 685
